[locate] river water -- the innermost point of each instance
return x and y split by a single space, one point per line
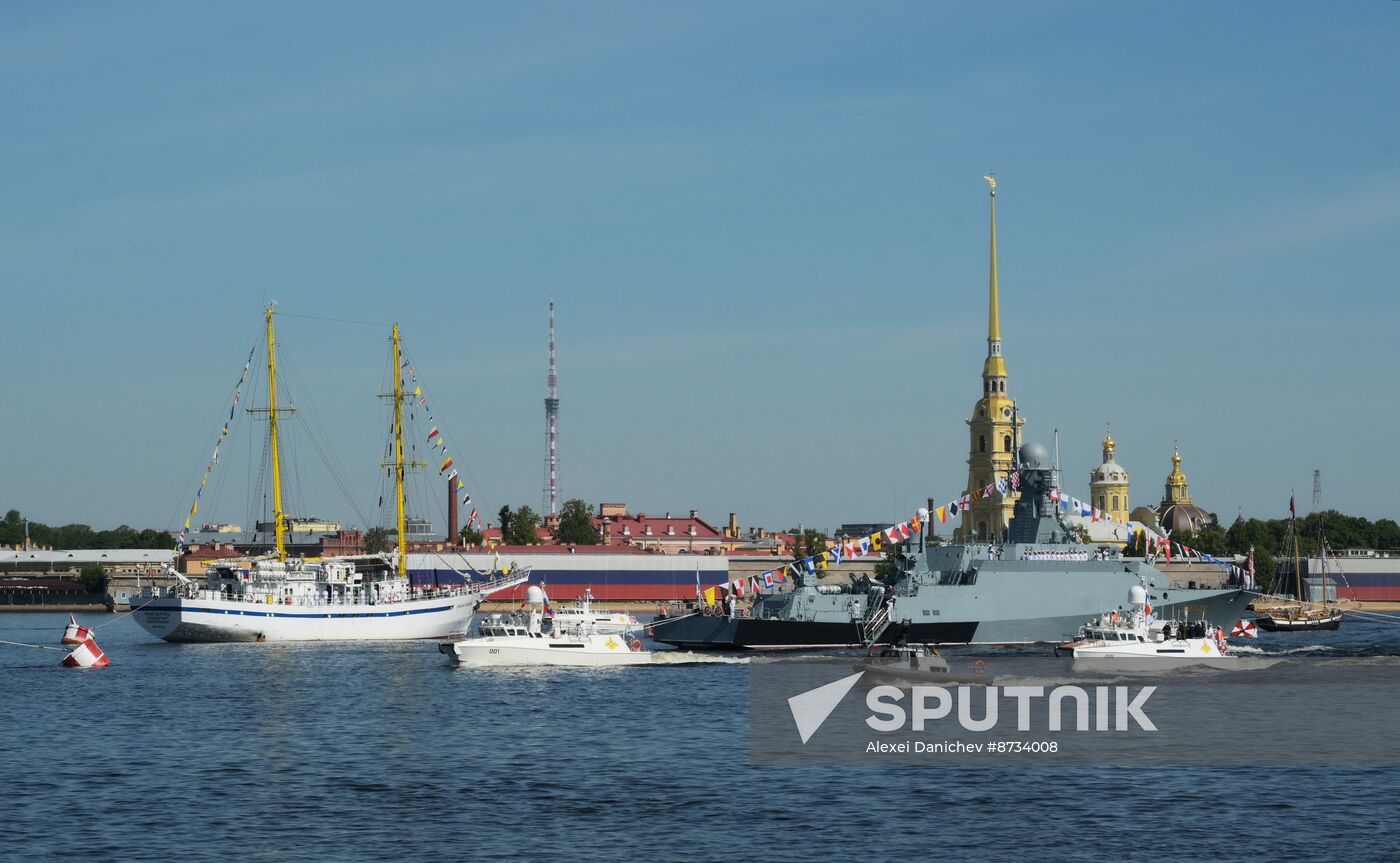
263 752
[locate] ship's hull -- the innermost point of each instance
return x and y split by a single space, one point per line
209 620
979 617
1283 624
705 632
721 633
524 651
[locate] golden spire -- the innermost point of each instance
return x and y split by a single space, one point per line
1177 484
1109 447
995 367
993 309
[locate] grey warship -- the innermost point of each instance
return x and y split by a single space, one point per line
1041 585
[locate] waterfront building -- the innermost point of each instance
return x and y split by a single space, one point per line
297 524
994 428
297 542
114 561
1108 483
857 529
669 535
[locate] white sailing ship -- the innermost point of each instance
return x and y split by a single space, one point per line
281 598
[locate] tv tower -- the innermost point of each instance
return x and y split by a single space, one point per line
1317 491
551 429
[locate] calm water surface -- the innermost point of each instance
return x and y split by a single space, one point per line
385 752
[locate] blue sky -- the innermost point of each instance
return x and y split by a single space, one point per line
764 224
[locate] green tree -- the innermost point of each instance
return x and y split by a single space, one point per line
504 517
152 538
1387 534
1264 565
93 578
1211 539
12 528
524 527
472 536
576 524
807 543
376 540
888 567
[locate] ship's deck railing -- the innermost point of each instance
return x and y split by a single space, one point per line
875 624
320 600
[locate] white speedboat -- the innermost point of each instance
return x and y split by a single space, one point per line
531 637
1135 641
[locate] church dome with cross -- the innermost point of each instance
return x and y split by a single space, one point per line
1108 483
1177 512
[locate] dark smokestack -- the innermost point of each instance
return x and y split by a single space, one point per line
453 536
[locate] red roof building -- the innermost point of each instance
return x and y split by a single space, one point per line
689 534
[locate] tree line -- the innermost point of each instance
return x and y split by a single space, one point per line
1269 538
522 526
80 535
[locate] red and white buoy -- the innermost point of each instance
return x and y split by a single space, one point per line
1244 629
86 655
75 634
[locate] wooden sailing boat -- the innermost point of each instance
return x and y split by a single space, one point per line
1301 613
281 598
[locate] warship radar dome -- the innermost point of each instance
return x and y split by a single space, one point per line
1034 456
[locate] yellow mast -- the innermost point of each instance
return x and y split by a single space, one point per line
398 453
272 423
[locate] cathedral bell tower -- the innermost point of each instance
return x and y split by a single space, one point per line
1108 483
995 424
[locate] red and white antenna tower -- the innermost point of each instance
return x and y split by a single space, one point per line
551 428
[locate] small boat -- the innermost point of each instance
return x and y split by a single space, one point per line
532 637
905 663
1298 613
1299 617
1136 641
574 614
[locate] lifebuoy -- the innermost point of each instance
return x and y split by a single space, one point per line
665 611
636 645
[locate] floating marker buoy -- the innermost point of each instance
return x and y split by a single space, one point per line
86 655
1244 629
75 634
